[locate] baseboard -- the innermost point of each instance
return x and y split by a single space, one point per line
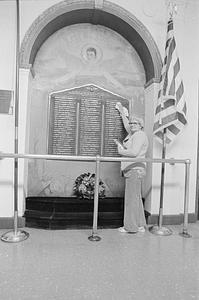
172 219
8 223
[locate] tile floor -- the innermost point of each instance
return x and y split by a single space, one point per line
65 265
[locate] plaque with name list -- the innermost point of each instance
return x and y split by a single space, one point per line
64 124
84 121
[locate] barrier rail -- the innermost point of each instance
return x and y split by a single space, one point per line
16 236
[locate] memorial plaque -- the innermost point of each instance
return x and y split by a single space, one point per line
63 133
84 121
90 126
114 126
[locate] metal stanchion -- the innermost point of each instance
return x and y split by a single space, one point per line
159 229
94 237
16 235
184 232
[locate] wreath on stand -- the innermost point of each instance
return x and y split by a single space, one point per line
84 186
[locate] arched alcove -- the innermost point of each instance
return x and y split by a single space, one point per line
85 11
109 15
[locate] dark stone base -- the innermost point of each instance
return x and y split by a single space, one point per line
73 213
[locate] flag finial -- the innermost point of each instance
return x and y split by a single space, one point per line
172 9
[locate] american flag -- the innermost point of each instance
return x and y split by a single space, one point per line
170 113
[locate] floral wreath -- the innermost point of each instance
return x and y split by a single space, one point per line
84 186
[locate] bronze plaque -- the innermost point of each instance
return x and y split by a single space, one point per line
84 121
64 125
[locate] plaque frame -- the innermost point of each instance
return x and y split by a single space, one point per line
92 87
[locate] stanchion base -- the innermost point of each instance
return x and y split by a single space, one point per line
11 237
163 231
94 238
185 234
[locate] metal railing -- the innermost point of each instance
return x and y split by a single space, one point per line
16 236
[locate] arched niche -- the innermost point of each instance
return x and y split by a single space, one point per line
102 13
89 11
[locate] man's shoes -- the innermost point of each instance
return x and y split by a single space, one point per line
123 230
141 229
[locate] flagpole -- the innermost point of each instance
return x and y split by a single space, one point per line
162 179
16 235
159 229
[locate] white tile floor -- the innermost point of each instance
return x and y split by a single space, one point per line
59 265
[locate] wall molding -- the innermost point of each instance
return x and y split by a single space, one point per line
7 222
172 219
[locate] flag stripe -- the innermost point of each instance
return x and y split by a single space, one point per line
165 121
174 129
170 112
170 25
166 104
182 118
179 92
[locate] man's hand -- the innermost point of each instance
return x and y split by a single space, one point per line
122 110
119 107
120 149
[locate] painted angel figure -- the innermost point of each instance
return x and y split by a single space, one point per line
90 64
